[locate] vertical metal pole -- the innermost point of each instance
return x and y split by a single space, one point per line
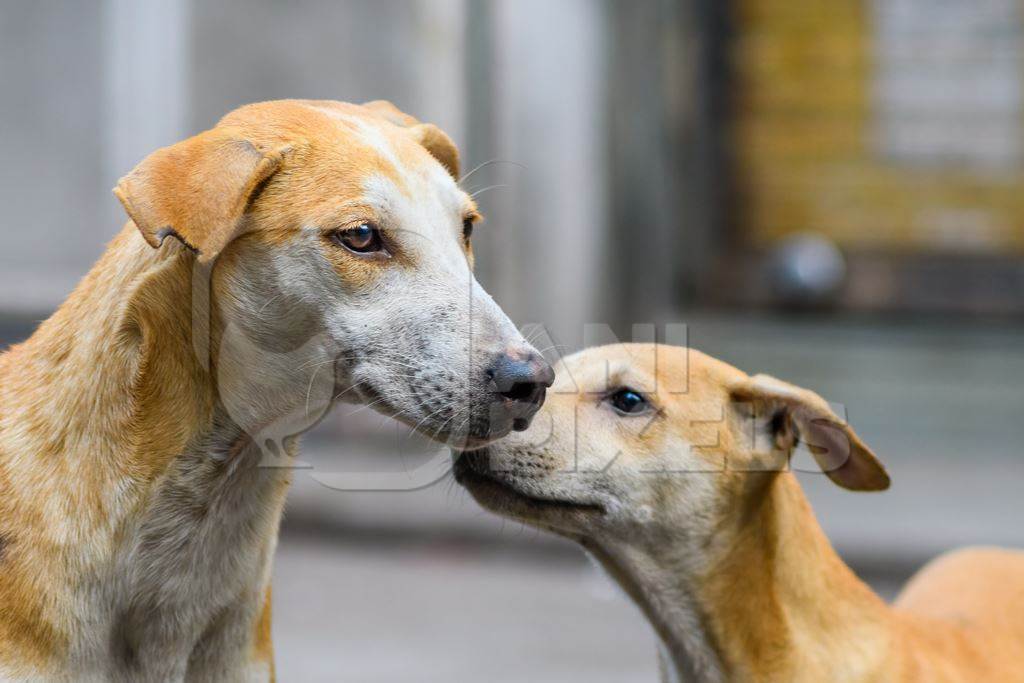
663 177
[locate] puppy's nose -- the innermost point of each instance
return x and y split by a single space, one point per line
519 383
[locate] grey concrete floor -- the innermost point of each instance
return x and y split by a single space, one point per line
383 612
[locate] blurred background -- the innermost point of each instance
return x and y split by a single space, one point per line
831 192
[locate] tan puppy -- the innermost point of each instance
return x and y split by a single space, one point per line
667 466
299 253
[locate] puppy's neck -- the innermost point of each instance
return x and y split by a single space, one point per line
766 598
659 583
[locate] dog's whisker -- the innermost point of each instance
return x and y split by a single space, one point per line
309 389
490 162
440 430
479 192
371 404
317 363
269 301
552 347
421 422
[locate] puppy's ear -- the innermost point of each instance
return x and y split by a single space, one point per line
435 140
799 414
197 190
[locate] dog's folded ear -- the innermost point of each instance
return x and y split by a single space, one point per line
439 145
799 414
197 190
389 111
435 140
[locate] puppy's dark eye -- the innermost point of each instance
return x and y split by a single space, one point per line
362 239
625 401
467 229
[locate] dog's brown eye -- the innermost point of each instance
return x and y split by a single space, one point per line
625 401
467 229
362 239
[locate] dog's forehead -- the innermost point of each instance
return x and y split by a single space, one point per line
347 138
370 134
679 372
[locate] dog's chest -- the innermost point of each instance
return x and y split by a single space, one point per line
194 565
206 531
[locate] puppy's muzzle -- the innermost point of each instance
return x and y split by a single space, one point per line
519 384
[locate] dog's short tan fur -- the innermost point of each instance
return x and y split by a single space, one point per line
691 508
136 523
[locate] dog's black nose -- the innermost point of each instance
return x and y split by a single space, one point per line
519 384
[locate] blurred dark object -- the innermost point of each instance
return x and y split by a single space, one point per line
807 269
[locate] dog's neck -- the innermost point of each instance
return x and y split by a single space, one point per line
119 350
766 599
108 393
110 434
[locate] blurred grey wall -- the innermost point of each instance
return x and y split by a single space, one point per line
52 132
543 247
89 88
406 51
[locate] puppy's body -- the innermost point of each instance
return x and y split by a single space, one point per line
688 503
138 516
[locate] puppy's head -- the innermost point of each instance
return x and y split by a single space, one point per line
337 244
661 438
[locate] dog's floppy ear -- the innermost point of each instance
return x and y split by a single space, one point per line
389 111
439 145
435 140
197 190
796 413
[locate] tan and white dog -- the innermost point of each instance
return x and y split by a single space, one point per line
670 468
299 253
